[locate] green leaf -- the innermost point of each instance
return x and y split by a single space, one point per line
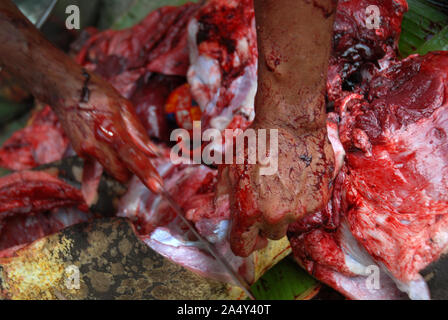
286 281
423 29
13 116
7 130
111 10
4 172
438 42
11 110
139 9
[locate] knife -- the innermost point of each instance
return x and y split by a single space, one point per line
36 11
49 16
236 277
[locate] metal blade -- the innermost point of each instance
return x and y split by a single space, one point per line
36 11
239 280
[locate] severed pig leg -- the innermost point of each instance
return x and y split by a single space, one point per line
99 122
294 38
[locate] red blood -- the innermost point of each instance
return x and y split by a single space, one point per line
403 182
224 56
221 25
192 187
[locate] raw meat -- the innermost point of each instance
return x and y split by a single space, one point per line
149 101
390 197
42 141
223 57
360 50
21 230
34 191
157 44
35 204
144 63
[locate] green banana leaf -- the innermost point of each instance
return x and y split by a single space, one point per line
11 110
8 129
438 42
13 116
111 10
424 29
286 281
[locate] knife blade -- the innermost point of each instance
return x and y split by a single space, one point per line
36 11
236 277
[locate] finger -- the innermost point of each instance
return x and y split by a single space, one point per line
262 242
140 164
243 241
91 176
245 214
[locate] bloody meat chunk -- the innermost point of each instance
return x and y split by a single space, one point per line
391 193
21 230
34 204
359 51
42 141
30 192
149 101
223 56
157 44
